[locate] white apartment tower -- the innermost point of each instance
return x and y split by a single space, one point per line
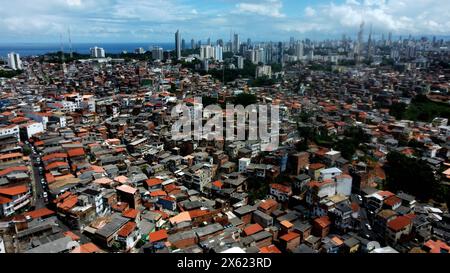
14 61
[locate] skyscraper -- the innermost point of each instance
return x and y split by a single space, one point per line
178 44
183 44
97 52
299 50
157 53
192 44
236 43
218 53
14 61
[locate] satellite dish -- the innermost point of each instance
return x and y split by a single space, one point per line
72 245
373 245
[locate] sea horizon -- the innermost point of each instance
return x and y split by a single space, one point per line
26 49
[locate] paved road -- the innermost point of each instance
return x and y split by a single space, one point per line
38 190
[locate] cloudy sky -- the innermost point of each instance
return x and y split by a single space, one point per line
157 20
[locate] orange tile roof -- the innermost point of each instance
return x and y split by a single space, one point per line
87 248
316 166
157 236
197 213
72 235
286 224
130 213
269 249
13 169
158 193
12 191
75 152
289 236
218 184
252 229
53 156
268 204
4 200
281 188
153 182
392 200
11 155
39 213
56 164
69 202
437 246
337 240
126 230
323 221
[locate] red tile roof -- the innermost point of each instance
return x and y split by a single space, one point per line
399 223
13 169
53 156
323 221
75 152
197 213
130 213
56 164
69 202
11 155
392 200
281 188
4 200
158 193
316 166
289 236
218 184
72 235
12 191
126 230
87 248
153 182
252 229
157 236
269 249
39 213
437 246
269 203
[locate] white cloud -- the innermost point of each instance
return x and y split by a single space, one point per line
271 8
310 12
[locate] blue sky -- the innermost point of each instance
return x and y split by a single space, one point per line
157 20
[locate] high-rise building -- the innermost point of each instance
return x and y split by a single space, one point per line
206 52
218 53
183 44
157 53
240 62
14 61
236 43
192 44
220 42
178 44
299 50
263 70
210 52
97 52
139 50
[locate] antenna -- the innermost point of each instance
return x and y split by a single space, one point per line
63 63
70 45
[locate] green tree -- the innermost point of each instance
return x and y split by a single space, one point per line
410 175
244 99
397 110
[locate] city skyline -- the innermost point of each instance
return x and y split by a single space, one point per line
116 21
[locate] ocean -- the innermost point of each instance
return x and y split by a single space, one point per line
32 49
